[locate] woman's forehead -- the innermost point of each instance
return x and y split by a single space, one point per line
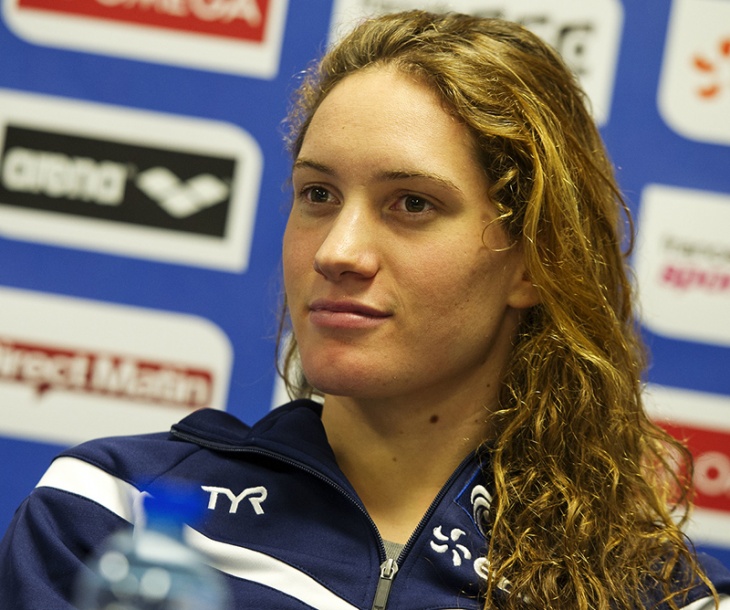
394 106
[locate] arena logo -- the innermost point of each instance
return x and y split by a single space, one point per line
586 34
182 198
51 368
694 87
683 268
701 421
57 175
137 184
241 36
74 369
27 169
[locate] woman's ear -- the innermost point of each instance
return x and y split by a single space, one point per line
524 293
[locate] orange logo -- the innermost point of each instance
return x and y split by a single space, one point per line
712 68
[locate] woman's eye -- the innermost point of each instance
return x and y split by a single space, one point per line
317 194
414 204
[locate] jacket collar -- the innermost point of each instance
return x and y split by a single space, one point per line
293 431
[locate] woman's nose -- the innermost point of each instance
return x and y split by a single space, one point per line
349 247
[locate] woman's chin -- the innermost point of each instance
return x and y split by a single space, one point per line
328 385
349 372
352 384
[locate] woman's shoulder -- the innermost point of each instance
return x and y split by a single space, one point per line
133 458
699 597
718 574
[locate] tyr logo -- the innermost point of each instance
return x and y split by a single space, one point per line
255 495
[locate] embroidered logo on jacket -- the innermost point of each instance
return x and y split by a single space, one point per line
481 502
450 542
255 495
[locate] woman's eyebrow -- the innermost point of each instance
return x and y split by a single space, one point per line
410 175
303 163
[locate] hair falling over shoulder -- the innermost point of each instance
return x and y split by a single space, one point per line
590 494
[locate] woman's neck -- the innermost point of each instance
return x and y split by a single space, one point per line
398 457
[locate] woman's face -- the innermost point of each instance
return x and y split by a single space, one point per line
398 284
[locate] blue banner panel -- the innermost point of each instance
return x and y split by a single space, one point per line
143 195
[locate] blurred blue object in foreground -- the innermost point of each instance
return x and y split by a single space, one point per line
150 567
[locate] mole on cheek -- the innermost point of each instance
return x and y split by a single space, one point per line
434 419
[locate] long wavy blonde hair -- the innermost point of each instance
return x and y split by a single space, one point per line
590 494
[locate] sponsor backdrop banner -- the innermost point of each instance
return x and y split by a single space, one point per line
143 194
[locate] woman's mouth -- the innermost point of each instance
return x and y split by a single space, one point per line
345 314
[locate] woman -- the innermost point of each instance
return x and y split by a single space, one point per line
528 342
458 300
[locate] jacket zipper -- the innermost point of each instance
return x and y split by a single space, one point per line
389 567
387 573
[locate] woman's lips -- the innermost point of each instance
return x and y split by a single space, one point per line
326 313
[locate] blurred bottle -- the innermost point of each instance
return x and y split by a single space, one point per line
151 567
